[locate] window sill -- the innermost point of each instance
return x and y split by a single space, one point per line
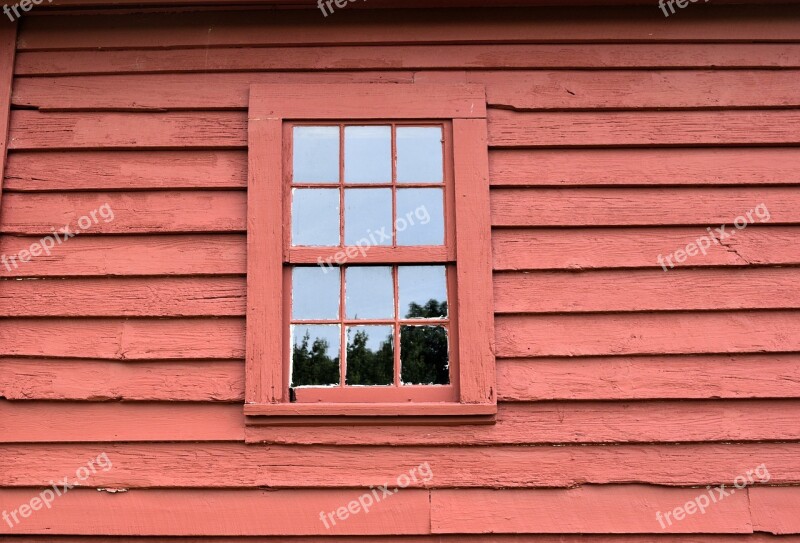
319 414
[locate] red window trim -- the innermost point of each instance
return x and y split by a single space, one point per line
461 107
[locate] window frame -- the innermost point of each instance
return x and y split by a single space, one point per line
461 109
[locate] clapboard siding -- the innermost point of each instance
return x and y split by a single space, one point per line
97 380
191 254
598 378
649 377
188 211
514 293
410 57
126 213
236 465
621 24
615 137
663 421
124 339
525 90
590 248
228 130
125 297
122 170
643 167
647 290
159 170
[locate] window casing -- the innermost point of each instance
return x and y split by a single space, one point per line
274 254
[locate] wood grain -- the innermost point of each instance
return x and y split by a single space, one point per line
131 255
96 380
237 465
408 57
56 171
123 339
220 512
578 422
649 377
642 128
126 212
650 333
645 167
124 297
626 509
681 289
679 206
519 89
587 248
440 26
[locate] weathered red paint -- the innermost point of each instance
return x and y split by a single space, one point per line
614 135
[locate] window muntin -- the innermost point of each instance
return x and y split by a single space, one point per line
372 309
393 195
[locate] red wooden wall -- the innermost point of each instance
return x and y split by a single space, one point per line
616 135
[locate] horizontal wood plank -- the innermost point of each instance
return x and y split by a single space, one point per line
70 422
237 465
124 297
461 538
176 130
96 380
642 128
514 249
542 90
130 255
585 248
408 57
680 421
700 206
268 27
775 510
220 512
643 167
31 130
621 509
652 333
125 212
518 89
647 290
576 422
225 211
519 380
125 170
124 339
649 377
172 91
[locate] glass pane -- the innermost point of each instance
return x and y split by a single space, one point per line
315 217
315 154
367 217
368 154
422 291
419 154
369 292
423 355
315 354
420 217
370 355
315 293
